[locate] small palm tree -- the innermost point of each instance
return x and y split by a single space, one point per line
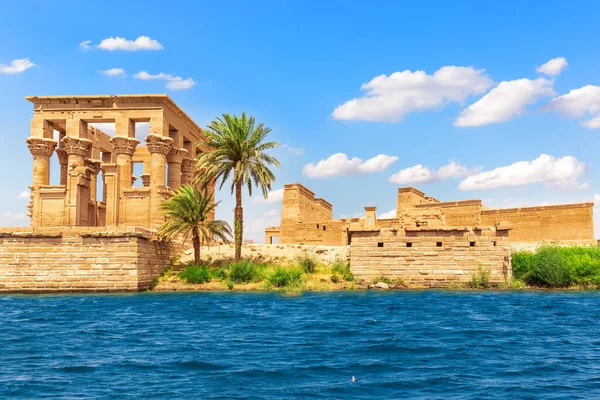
235 148
188 212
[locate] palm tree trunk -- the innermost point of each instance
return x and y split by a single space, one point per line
239 221
196 244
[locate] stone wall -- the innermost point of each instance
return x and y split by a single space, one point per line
323 233
431 257
81 259
569 223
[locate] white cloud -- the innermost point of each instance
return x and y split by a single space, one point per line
113 72
11 215
553 67
389 98
560 173
578 102
340 164
274 212
387 215
505 101
274 196
173 82
118 43
294 150
16 66
422 174
597 199
24 195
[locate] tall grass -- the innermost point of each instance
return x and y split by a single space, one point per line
308 263
343 269
555 266
244 271
195 274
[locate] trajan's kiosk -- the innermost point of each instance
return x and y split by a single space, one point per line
81 241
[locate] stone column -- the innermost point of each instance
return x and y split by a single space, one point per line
63 161
78 181
111 193
174 159
188 166
41 149
159 147
123 148
94 168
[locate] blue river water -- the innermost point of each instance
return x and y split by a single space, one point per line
409 344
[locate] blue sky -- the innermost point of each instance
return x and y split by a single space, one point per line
297 66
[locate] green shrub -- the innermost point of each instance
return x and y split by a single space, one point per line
480 279
523 263
283 277
335 279
195 274
551 267
219 273
229 284
342 268
308 262
243 272
383 279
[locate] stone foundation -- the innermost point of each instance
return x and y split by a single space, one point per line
431 257
81 259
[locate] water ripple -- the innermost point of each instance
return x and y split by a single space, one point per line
418 344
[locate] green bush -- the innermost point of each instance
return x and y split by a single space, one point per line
342 268
243 272
480 279
229 284
283 277
335 279
219 273
308 262
557 266
195 274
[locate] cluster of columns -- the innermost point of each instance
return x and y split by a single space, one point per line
79 172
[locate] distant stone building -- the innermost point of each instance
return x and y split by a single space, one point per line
309 220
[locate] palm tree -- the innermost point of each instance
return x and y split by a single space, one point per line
188 212
234 147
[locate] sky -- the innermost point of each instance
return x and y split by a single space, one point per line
498 101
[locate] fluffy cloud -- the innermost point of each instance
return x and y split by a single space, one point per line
113 72
274 196
553 67
16 66
597 198
505 101
173 82
340 164
24 195
389 98
118 43
560 173
421 174
387 215
578 102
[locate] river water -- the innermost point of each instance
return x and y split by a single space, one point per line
410 344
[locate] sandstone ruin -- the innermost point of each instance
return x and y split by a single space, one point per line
430 243
79 240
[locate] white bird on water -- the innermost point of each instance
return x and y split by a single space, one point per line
354 379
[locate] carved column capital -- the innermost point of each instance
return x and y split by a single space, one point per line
94 166
159 144
188 165
41 146
62 156
76 146
176 155
124 145
145 179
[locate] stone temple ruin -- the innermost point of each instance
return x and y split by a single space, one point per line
429 242
94 230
